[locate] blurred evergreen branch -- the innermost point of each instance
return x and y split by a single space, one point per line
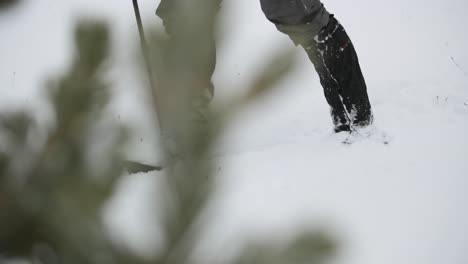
51 198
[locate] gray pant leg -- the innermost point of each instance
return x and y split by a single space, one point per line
301 20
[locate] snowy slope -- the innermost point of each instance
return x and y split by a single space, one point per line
280 165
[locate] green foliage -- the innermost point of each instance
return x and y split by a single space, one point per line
308 247
51 197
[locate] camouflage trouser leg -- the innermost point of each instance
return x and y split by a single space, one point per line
201 54
187 69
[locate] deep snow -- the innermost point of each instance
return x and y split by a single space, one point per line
280 165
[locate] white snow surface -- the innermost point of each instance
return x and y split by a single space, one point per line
279 166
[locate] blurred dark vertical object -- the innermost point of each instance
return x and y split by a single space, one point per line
5 4
146 57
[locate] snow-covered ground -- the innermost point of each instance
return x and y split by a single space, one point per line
280 165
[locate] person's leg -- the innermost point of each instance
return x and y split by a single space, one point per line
338 66
200 54
187 62
329 48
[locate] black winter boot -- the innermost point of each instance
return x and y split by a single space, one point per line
337 65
